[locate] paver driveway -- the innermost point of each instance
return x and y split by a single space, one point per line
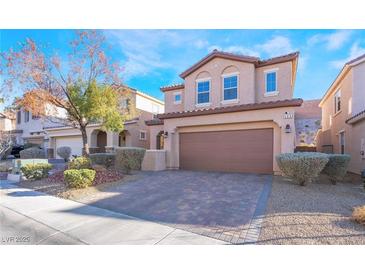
218 205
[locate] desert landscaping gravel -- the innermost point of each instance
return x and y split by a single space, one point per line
319 213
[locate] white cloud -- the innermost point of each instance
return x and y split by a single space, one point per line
278 45
236 49
200 43
355 51
332 41
145 49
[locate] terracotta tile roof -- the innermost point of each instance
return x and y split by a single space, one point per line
154 122
309 109
237 108
172 87
237 57
278 59
356 118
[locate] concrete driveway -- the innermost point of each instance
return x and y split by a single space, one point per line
224 206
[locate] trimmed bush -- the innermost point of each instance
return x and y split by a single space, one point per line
79 178
359 214
336 168
302 167
32 153
105 159
80 163
64 153
129 158
36 171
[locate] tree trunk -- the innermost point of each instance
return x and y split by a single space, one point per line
85 148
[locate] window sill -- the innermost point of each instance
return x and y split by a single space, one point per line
234 101
337 113
177 103
203 105
271 93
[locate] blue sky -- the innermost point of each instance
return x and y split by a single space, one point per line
154 58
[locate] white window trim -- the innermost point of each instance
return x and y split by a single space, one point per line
145 135
177 102
231 101
196 91
203 79
335 97
230 74
275 92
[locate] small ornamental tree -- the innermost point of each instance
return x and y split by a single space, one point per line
86 87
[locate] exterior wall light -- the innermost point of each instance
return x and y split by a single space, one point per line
287 128
165 134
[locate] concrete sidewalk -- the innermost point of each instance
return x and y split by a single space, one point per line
31 217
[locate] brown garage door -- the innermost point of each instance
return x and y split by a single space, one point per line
232 151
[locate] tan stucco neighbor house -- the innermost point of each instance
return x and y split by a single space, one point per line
232 113
343 115
307 124
50 133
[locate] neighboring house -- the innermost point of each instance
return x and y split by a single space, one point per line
232 113
343 115
51 133
307 124
7 121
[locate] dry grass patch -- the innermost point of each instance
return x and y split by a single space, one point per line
359 214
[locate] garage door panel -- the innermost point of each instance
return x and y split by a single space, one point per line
233 151
74 142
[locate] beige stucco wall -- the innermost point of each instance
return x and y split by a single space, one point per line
352 88
330 132
358 100
251 84
6 124
269 118
357 163
170 106
214 70
154 160
284 82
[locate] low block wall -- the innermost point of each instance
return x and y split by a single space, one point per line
154 160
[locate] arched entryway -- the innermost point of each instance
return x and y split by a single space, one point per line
98 141
160 140
101 140
123 138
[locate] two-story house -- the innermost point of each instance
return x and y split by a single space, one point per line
50 133
343 115
232 113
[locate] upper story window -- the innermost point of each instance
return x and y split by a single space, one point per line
26 116
203 92
338 101
125 103
177 98
230 86
19 117
271 82
142 135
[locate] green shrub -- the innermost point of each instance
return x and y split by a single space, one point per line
80 163
105 159
129 158
36 171
79 178
32 153
302 167
64 153
336 168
